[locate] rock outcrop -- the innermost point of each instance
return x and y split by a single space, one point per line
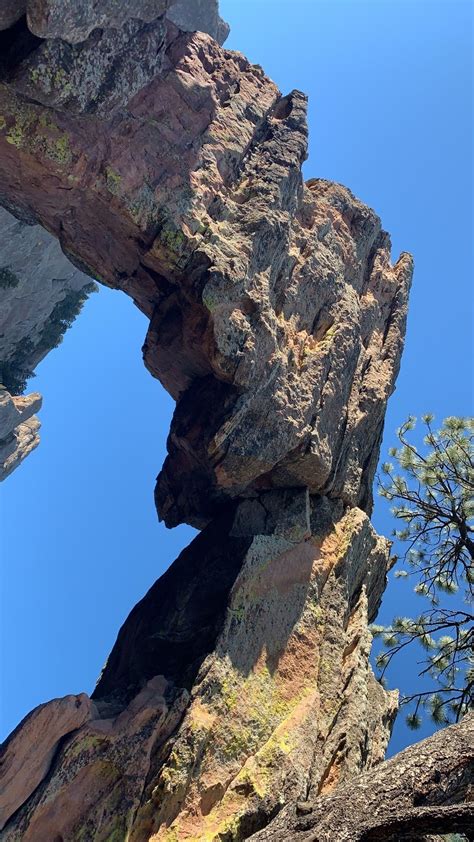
276 313
253 654
23 769
40 294
172 171
19 428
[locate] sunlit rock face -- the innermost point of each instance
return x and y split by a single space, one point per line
89 57
239 682
19 428
277 317
171 170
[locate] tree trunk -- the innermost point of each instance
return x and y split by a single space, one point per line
426 789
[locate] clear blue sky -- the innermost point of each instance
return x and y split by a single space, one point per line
390 117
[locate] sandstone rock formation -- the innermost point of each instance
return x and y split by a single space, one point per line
240 685
260 628
23 769
276 314
424 790
18 429
40 292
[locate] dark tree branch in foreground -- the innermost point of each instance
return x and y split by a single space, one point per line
426 789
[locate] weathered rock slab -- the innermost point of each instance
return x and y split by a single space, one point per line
18 429
277 316
10 12
272 699
26 757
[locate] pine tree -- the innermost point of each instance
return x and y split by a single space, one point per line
432 493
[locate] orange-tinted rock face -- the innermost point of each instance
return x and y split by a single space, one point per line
26 757
278 700
241 681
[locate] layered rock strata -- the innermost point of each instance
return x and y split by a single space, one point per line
241 681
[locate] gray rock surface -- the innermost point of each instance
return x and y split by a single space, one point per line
91 57
36 280
199 16
74 20
10 12
40 276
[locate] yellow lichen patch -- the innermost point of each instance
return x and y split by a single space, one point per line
113 180
87 743
37 133
58 149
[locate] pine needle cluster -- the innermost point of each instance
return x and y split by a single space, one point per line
431 490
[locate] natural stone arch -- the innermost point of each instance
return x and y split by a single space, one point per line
277 322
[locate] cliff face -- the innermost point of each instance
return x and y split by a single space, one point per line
276 314
241 681
40 293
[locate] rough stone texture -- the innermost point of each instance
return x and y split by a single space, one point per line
96 75
170 168
428 788
18 429
10 12
35 277
74 20
93 57
200 16
283 703
277 317
273 700
23 768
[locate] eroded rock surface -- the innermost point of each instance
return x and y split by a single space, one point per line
19 428
40 293
172 171
260 629
277 317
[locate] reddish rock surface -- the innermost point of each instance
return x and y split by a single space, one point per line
260 628
26 757
172 171
277 317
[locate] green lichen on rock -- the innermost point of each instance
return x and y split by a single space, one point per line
51 79
59 150
36 134
113 180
